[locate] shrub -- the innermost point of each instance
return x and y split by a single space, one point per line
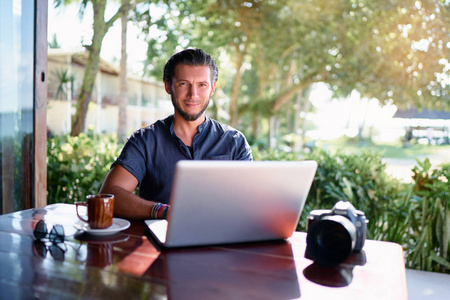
428 246
358 178
417 216
76 166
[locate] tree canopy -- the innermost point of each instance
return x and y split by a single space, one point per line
392 50
271 52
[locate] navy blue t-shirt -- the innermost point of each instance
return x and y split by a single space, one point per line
151 153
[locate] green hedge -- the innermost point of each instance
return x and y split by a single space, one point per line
417 216
358 178
428 244
77 166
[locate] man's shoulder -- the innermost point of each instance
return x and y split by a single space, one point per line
161 124
153 129
229 135
216 125
225 129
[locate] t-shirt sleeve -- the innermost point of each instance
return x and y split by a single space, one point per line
134 157
243 149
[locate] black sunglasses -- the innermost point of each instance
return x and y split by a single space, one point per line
55 236
56 251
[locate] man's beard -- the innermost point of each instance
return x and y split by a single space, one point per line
185 115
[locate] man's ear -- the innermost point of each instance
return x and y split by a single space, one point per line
213 88
167 86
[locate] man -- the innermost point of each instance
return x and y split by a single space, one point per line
148 158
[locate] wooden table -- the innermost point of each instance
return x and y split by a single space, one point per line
127 265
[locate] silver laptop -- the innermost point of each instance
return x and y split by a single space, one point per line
223 202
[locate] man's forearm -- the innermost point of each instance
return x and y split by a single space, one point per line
127 204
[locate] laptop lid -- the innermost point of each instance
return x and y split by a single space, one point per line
222 202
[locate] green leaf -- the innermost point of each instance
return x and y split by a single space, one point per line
445 263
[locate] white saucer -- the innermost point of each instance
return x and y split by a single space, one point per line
118 225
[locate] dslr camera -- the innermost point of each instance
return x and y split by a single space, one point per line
333 235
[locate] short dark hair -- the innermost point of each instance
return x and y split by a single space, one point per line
191 57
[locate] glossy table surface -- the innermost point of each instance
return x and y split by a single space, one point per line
127 265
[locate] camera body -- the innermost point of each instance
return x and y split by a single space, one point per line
334 234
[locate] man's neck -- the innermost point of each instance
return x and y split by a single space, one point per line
186 130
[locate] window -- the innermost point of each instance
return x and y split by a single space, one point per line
23 46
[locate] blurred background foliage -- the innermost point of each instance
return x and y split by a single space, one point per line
77 166
272 53
415 215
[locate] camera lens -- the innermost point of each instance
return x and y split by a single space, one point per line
331 240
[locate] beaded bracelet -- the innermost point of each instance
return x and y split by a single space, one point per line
166 210
157 207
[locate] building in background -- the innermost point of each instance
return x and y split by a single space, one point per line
147 99
425 126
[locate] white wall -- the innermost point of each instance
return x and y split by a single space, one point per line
104 118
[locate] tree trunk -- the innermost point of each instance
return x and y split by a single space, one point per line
305 105
84 97
297 122
100 27
236 87
286 96
91 69
272 139
363 122
123 98
255 122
